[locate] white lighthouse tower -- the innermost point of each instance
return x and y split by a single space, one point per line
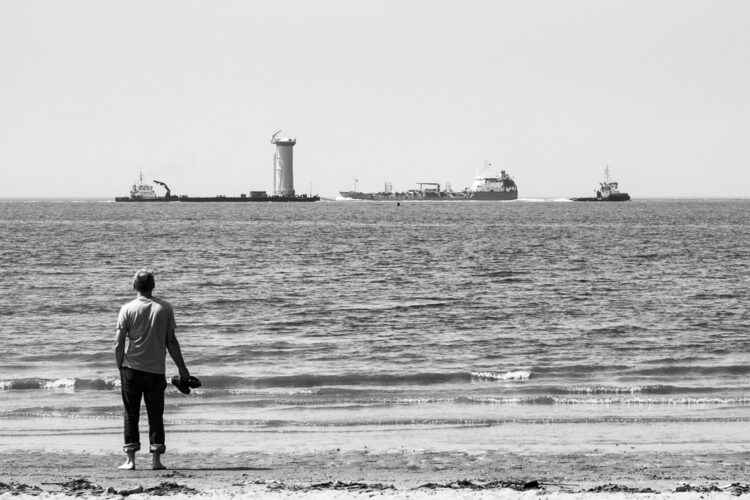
283 166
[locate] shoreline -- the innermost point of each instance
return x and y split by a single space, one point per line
350 474
595 460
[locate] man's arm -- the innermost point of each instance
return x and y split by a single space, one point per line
173 346
120 335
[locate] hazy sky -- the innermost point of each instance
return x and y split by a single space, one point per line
407 91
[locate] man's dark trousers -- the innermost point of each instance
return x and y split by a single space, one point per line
149 386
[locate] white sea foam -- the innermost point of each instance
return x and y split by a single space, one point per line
113 381
63 383
515 375
607 390
273 392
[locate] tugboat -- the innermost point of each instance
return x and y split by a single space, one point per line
145 192
607 191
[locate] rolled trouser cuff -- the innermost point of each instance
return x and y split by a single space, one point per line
130 447
157 448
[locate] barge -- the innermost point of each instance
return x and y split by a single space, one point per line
144 193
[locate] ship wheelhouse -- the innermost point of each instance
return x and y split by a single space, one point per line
142 191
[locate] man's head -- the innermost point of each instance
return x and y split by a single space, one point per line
143 281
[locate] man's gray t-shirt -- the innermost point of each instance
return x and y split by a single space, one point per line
147 322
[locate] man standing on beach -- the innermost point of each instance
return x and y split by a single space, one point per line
148 324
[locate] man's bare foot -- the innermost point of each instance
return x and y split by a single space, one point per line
156 462
129 461
128 465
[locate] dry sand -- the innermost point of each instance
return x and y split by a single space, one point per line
364 474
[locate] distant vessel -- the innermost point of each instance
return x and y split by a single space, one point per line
607 191
486 187
425 191
142 192
494 187
283 183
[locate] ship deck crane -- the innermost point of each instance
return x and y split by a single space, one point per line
169 193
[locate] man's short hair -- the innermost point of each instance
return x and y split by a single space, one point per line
143 281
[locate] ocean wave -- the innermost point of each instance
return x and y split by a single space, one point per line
63 383
515 375
339 412
663 371
623 401
353 386
329 397
300 382
636 389
713 370
348 379
577 370
310 381
60 384
511 401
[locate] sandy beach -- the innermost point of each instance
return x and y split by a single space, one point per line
364 474
506 461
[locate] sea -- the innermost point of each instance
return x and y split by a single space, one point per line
532 325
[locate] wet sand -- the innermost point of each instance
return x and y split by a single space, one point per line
362 473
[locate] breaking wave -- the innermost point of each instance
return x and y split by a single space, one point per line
303 381
60 384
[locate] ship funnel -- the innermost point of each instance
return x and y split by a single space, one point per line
283 166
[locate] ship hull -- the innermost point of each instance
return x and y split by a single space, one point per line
222 199
612 197
357 195
494 195
442 196
146 200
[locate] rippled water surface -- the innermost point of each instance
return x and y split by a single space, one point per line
372 314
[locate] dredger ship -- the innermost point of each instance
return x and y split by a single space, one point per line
497 187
